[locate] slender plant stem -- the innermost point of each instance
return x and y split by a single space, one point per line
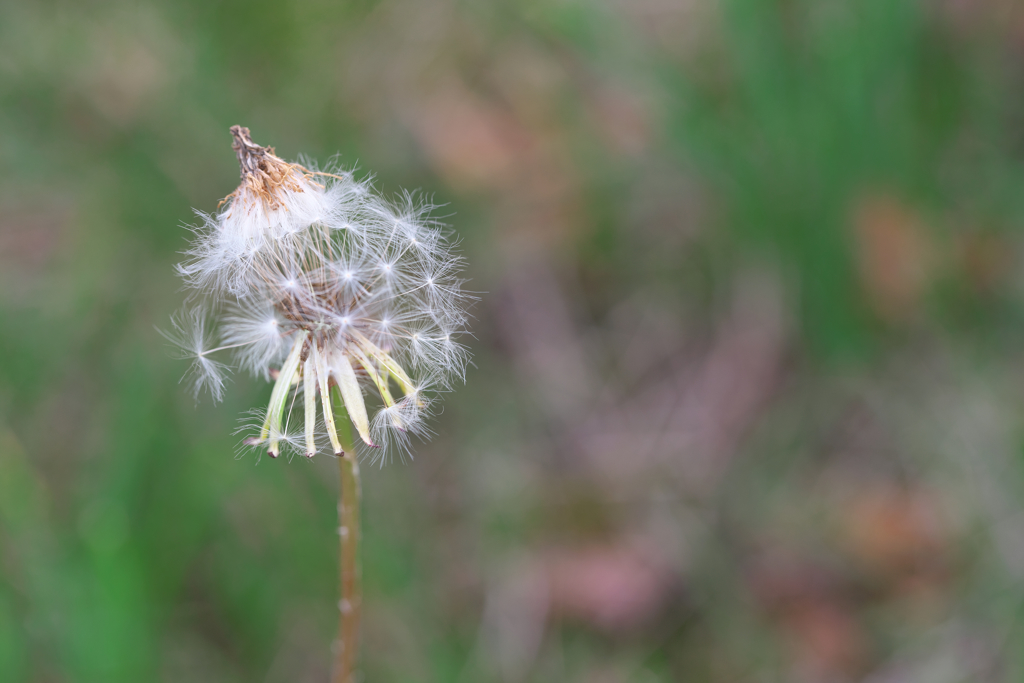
346 649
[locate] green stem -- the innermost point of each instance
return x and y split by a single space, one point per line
346 649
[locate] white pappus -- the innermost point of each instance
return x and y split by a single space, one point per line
317 281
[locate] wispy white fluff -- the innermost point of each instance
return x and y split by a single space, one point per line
317 273
190 335
256 330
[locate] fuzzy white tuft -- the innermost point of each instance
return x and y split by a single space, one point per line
192 339
309 265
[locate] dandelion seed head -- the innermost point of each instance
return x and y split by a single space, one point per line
314 272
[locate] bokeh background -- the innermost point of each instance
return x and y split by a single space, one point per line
748 393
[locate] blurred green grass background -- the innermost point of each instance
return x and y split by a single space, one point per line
747 396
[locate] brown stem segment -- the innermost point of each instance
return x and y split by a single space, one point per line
346 649
250 155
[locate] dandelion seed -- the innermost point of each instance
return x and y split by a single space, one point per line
191 337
